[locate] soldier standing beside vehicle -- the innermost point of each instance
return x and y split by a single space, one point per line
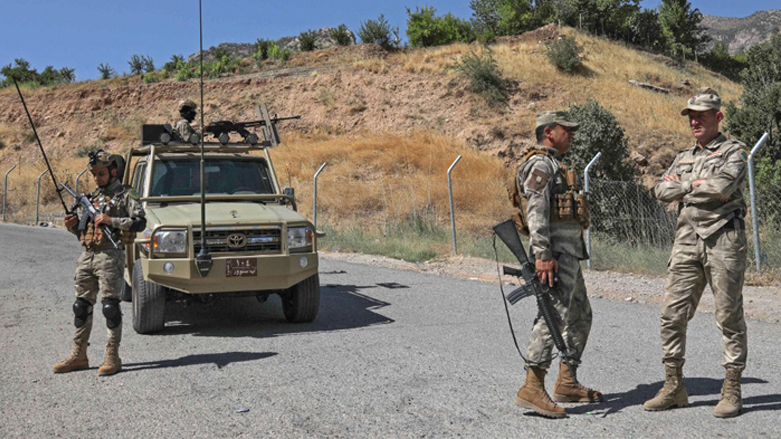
554 214
710 248
182 129
100 266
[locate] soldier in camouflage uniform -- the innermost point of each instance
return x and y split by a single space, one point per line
183 131
100 266
554 215
707 181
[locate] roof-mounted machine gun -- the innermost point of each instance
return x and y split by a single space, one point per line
221 130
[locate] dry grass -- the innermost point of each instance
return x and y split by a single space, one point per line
374 65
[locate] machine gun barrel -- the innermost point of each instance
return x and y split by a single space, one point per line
507 232
89 212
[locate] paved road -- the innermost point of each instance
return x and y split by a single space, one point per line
392 354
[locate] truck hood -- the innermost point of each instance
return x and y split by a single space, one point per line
222 214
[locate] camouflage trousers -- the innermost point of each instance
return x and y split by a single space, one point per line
719 261
99 272
574 311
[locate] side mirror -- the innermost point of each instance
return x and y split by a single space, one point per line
289 191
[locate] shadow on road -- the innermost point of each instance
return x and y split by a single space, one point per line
341 307
616 402
220 360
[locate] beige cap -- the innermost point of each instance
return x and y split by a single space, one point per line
705 99
558 117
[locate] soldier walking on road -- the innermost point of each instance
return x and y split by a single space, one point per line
182 129
553 215
707 180
100 266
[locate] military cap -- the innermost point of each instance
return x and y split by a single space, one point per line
101 158
705 99
557 117
187 103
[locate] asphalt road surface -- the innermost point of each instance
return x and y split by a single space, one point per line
391 354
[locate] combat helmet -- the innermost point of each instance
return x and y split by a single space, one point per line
184 104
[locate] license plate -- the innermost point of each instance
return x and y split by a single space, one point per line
241 267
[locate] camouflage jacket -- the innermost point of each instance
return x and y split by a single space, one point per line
121 203
705 209
184 130
540 178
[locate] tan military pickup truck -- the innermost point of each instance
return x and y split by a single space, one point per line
255 243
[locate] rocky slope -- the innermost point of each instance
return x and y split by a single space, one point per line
738 34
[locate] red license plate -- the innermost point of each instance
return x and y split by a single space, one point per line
241 267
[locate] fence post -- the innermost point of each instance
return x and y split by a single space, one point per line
38 194
5 191
585 190
314 196
77 180
452 214
753 197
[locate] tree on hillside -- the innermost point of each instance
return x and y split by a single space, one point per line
22 72
106 71
760 104
136 64
426 30
495 18
645 30
681 30
379 32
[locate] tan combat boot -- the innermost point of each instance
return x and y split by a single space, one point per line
111 363
731 402
672 394
566 390
77 360
533 396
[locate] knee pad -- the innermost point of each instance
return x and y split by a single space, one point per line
82 309
112 313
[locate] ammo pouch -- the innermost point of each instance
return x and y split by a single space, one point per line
571 206
92 236
127 237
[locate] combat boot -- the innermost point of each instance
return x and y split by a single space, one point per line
533 396
672 394
111 363
77 360
731 402
566 390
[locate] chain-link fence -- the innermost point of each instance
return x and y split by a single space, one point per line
630 229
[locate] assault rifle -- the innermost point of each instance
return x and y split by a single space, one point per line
88 214
507 232
223 128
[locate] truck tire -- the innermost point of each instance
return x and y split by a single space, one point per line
148 303
126 293
302 301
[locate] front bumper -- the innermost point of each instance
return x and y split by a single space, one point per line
274 272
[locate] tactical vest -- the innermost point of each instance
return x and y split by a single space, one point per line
93 236
567 201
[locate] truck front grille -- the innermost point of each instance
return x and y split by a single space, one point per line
227 240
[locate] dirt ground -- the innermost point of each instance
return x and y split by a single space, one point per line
760 303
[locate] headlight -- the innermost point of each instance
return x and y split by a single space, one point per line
299 237
170 241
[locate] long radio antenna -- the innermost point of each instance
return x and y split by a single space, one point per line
203 260
40 145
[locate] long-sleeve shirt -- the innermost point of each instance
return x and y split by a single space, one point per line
706 208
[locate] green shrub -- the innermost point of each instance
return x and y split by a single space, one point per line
262 49
24 74
341 35
136 65
106 71
307 41
564 53
151 78
281 55
184 73
378 32
426 30
484 76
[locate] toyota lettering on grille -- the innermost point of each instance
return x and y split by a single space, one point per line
237 240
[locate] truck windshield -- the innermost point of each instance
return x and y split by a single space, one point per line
222 176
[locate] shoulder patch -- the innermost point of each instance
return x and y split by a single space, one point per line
743 154
538 179
133 194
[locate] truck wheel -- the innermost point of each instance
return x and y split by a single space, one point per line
148 303
126 293
302 301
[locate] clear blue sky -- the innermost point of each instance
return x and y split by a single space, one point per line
82 34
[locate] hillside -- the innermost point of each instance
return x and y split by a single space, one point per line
389 124
738 34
